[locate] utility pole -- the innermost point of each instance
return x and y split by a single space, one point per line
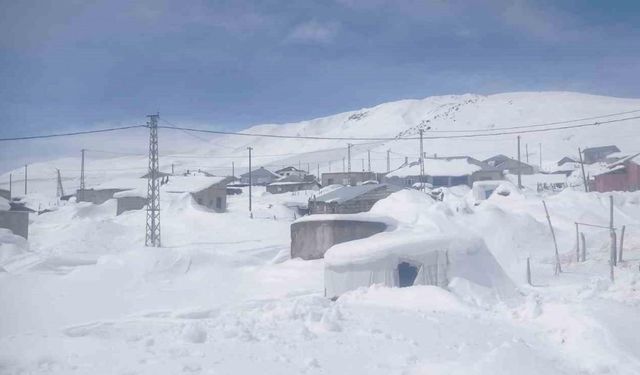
421 161
540 154
82 186
25 179
60 189
369 160
349 162
388 161
250 181
172 168
152 238
233 169
362 164
343 169
526 152
519 166
308 168
318 171
584 177
10 186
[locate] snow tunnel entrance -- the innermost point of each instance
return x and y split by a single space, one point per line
406 274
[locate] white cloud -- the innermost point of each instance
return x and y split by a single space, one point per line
313 32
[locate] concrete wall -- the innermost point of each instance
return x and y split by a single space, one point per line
342 178
94 196
16 221
214 197
5 194
279 189
130 203
311 239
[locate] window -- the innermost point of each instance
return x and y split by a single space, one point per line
219 203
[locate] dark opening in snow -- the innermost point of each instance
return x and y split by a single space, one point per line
406 274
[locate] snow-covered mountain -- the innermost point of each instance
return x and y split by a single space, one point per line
438 116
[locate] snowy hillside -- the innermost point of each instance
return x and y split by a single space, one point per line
442 114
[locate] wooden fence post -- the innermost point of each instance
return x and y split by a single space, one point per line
614 248
584 247
558 268
621 244
528 271
577 244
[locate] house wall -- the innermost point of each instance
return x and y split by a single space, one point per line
5 194
362 203
626 180
345 178
96 196
214 198
130 203
16 221
311 239
280 189
486 175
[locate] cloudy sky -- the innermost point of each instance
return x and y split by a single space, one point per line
231 64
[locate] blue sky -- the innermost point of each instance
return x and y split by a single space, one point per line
232 64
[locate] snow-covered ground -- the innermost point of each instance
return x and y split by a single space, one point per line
84 296
222 296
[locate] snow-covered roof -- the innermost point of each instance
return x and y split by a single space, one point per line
625 159
438 167
131 183
192 184
346 193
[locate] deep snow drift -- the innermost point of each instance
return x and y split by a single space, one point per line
222 296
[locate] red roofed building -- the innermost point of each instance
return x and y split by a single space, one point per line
623 175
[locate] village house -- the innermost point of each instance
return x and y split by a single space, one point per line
291 171
598 154
444 172
349 178
510 165
293 183
621 175
350 199
210 192
14 219
260 176
105 191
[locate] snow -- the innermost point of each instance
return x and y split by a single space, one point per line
437 167
85 296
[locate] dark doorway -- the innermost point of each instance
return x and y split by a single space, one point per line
406 274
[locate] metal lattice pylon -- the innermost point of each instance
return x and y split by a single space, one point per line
152 237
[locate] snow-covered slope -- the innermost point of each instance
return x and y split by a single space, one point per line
402 118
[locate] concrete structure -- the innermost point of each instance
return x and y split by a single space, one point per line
596 154
130 203
260 176
350 199
622 175
310 239
291 171
510 165
444 172
96 196
107 190
349 178
15 221
292 183
210 192
6 194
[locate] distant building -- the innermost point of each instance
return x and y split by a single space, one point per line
105 191
130 201
566 160
6 194
293 183
349 178
444 172
260 176
350 199
507 164
622 175
17 221
210 192
597 154
291 171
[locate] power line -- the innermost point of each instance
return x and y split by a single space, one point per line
470 135
71 133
